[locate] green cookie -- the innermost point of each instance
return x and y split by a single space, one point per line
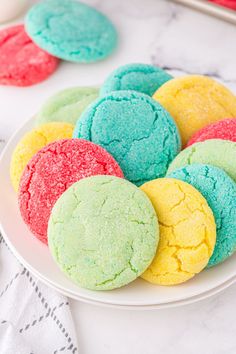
66 105
216 152
103 232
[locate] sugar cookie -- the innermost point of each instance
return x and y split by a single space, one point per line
187 231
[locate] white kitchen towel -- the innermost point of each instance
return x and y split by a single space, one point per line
34 319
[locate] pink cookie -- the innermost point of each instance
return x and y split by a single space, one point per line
22 63
231 4
51 171
223 129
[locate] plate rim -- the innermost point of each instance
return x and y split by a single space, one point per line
172 304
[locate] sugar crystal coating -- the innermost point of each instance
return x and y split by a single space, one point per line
51 171
219 190
32 142
187 231
22 62
103 232
216 152
195 101
66 105
224 129
136 130
143 78
71 30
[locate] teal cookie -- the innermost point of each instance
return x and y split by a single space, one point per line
216 152
135 129
71 30
220 192
66 105
103 232
138 77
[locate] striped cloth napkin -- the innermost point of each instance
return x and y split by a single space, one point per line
34 319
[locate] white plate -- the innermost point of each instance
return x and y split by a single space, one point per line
139 294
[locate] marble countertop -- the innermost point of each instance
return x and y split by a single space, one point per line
182 41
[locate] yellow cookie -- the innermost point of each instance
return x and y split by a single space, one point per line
195 101
32 142
187 231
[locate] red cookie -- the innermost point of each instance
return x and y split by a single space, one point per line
231 4
52 170
223 129
22 63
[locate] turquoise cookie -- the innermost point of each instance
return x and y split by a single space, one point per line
220 192
136 130
103 232
71 30
138 77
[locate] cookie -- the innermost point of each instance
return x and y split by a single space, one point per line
224 129
22 63
66 105
231 4
103 232
32 142
219 190
51 171
187 231
216 152
71 30
135 129
138 77
195 101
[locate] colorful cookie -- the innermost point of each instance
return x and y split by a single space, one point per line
71 30
135 129
187 231
103 232
220 193
138 77
22 63
32 142
231 4
216 152
195 101
51 171
224 129
67 105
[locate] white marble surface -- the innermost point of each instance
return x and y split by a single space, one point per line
183 41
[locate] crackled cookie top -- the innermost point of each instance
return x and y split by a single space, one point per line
51 171
138 77
32 142
224 129
187 231
216 152
22 62
220 192
66 105
71 30
103 232
195 101
135 129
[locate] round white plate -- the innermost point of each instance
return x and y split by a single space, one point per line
36 257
